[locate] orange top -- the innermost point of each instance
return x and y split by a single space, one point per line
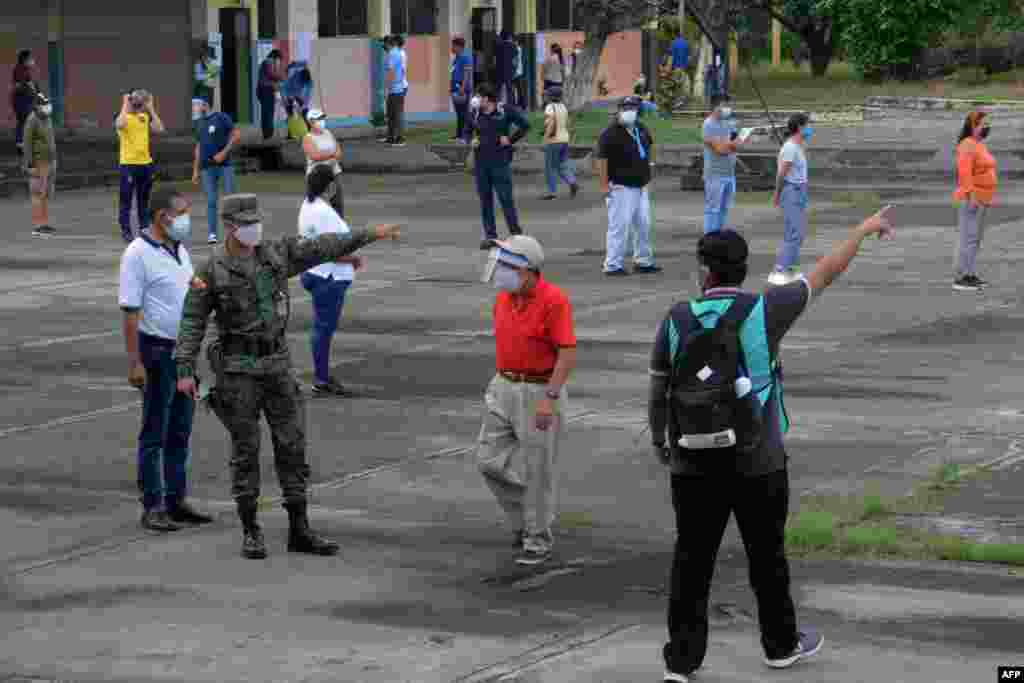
975 172
529 329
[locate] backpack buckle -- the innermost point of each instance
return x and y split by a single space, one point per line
697 442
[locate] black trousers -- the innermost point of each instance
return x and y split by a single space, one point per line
396 112
267 101
461 113
703 505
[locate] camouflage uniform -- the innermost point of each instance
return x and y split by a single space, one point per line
250 357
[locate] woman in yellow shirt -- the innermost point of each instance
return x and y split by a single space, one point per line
556 144
975 190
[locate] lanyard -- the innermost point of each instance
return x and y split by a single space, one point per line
636 136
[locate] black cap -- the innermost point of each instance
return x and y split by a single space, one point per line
722 250
631 102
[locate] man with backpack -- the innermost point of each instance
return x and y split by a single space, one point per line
716 390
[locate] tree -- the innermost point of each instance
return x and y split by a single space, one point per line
815 22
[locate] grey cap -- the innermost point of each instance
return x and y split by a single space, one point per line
241 208
525 247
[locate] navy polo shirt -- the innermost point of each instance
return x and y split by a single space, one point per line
214 131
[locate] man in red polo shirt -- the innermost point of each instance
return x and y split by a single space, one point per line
526 401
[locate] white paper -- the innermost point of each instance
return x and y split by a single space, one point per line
704 373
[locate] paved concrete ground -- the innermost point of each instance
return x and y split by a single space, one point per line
889 375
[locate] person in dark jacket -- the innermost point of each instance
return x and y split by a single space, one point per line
490 128
505 57
266 91
23 93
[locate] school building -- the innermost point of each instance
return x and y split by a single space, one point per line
89 52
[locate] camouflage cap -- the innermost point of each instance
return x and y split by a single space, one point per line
241 208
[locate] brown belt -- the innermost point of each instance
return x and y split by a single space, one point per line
524 377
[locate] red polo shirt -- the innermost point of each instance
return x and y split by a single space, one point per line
529 329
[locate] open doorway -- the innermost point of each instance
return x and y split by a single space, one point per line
484 25
236 74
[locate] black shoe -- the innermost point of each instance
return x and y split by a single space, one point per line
302 539
398 143
574 190
515 231
44 231
977 280
487 244
647 269
618 272
520 535
183 513
157 520
253 545
331 388
965 284
548 196
127 236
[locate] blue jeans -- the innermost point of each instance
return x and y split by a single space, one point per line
557 164
166 427
328 298
793 201
718 196
136 183
211 181
494 179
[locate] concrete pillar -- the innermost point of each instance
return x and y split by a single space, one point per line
55 58
379 15
526 30
776 44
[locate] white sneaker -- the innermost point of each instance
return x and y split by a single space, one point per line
808 644
670 677
777 279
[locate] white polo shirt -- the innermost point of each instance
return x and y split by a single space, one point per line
318 218
155 280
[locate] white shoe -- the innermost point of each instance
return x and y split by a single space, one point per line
777 279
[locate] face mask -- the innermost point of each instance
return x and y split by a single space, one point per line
726 112
507 279
250 235
808 133
985 131
628 118
180 228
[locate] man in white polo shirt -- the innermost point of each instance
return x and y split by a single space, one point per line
156 272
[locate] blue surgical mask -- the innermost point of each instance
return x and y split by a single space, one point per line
180 228
808 133
507 279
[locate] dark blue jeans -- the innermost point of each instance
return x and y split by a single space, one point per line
328 298
267 101
136 183
491 179
166 427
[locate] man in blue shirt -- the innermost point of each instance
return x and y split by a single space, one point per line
680 53
217 135
720 144
396 86
461 86
492 124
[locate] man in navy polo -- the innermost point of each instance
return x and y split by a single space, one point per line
216 136
156 273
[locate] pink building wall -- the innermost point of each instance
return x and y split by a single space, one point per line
428 75
341 76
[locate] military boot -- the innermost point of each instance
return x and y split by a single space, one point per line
253 547
301 538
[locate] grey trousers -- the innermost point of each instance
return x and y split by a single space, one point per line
972 229
519 462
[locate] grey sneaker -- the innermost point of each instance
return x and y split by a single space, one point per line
157 520
533 556
212 239
808 644
330 388
966 284
44 231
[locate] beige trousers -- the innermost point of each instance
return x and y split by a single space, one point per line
518 461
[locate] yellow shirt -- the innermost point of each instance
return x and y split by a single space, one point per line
556 118
134 138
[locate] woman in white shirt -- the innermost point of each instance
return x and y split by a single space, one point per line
791 196
322 148
329 282
556 144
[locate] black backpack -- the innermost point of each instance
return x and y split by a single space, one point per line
702 385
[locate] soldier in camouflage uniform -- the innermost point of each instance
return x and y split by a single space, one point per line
245 283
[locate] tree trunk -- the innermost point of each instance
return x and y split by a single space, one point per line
579 85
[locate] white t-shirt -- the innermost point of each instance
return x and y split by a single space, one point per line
794 153
318 218
324 142
153 281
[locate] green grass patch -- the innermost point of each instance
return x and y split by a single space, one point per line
588 126
814 530
575 519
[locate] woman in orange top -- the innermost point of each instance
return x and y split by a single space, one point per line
976 189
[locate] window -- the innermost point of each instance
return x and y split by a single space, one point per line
414 17
558 15
266 16
342 18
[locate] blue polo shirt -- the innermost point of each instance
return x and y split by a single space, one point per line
459 66
213 131
398 83
680 53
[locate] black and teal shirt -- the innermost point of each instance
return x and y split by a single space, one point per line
491 127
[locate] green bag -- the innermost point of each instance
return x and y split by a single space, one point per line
297 128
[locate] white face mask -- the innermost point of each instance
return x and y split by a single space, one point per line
628 117
726 112
180 228
250 235
507 279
